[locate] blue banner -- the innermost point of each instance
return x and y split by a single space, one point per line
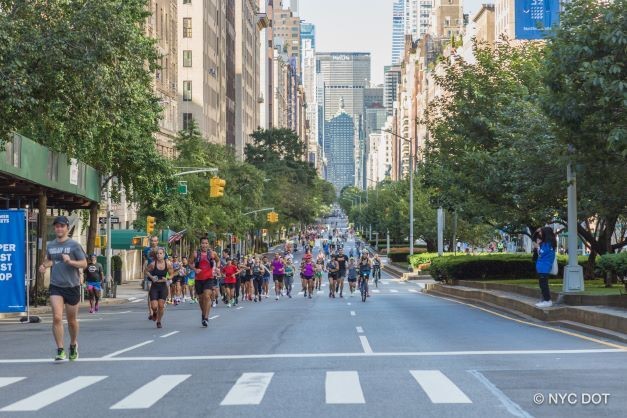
12 261
535 17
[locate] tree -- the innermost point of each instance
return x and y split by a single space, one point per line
75 76
268 144
586 73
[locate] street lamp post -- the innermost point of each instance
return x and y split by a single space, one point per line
411 192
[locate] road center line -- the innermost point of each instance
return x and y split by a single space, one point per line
365 344
128 349
214 317
360 330
169 334
352 313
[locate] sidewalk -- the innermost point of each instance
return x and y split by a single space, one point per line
127 292
605 321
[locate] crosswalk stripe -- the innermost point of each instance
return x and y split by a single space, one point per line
343 388
413 290
248 390
375 290
53 394
6 381
147 395
438 387
393 291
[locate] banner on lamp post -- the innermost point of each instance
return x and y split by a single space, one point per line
535 18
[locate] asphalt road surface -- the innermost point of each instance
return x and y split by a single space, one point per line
399 354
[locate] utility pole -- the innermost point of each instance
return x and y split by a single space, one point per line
573 272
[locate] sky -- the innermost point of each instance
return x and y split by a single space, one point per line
358 26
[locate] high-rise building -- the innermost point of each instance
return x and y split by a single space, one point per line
229 6
504 18
308 31
417 17
204 36
266 53
339 149
447 18
309 78
392 78
247 73
398 31
161 25
286 32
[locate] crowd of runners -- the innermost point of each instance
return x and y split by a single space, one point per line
209 278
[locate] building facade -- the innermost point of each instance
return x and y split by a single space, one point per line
340 149
392 78
286 33
398 30
504 19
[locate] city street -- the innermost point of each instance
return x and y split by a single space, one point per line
399 354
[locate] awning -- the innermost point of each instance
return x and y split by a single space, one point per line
122 239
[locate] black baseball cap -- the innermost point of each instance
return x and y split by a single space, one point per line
63 220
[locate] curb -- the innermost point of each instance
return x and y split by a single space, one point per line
597 323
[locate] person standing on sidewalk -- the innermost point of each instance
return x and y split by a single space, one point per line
545 256
65 257
94 277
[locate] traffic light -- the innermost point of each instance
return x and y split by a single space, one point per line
273 217
101 241
150 224
216 187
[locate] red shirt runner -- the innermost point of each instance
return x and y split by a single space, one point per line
229 271
204 264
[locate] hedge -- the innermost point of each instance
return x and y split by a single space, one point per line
401 255
485 267
417 259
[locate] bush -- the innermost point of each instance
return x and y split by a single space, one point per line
613 264
401 255
489 266
424 258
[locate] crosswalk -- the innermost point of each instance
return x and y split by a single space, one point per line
340 387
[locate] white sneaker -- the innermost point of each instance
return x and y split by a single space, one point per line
228 305
544 304
277 298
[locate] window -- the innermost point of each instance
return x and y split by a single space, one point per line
14 152
187 27
187 120
187 91
187 58
53 165
187 1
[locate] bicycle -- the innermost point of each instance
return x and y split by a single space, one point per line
376 274
363 286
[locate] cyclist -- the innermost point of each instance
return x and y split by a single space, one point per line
159 271
364 271
352 275
376 269
93 277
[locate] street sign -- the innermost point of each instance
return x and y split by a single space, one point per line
102 220
182 189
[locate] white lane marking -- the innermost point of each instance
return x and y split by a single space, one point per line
214 317
353 313
149 394
402 282
393 291
138 300
6 381
348 303
115 353
438 387
248 390
511 406
320 292
324 355
53 394
343 388
365 344
360 330
169 334
413 291
375 290
239 307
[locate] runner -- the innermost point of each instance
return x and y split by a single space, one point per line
257 271
248 279
184 273
289 277
332 269
205 282
94 277
266 276
352 275
65 257
278 275
341 274
159 271
376 269
309 270
191 285
149 255
175 286
319 270
364 268
230 280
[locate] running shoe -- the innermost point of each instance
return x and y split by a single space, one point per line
73 352
309 296
91 310
60 355
97 308
204 323
154 316
159 325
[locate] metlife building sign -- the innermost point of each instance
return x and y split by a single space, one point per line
534 18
